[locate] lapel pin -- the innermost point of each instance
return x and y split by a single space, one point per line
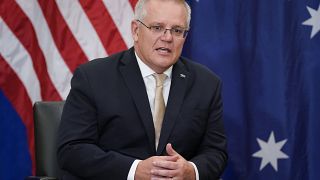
182 75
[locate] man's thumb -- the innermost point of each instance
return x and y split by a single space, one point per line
170 150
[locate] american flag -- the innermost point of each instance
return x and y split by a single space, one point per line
41 44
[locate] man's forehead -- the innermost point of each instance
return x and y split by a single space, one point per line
160 13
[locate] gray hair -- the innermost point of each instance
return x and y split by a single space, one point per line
140 11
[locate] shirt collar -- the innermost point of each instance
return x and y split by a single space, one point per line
147 71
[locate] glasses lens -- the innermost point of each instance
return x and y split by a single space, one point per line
157 29
177 32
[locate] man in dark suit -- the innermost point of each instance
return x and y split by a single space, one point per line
114 125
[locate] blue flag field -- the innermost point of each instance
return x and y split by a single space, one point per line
268 55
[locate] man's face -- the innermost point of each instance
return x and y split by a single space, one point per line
160 51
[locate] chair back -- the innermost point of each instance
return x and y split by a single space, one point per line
47 116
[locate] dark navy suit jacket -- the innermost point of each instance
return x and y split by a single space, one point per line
107 122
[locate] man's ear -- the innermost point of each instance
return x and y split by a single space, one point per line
134 30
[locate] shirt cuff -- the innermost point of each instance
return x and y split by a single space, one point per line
132 170
195 170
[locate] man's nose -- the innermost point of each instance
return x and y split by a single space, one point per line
167 35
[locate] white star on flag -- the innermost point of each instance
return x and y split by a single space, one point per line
270 152
314 21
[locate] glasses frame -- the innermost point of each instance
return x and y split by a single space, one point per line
184 35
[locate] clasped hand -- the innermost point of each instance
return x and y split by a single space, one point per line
172 166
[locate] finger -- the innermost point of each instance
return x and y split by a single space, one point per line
163 173
160 178
166 164
170 150
166 158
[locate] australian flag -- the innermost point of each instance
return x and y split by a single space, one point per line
267 52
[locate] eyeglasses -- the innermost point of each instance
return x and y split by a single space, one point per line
158 29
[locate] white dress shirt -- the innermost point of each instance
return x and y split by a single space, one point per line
150 83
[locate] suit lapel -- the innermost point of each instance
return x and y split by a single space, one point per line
134 81
179 82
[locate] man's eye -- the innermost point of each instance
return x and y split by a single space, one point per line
177 31
156 28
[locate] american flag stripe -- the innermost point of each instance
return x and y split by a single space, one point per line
42 42
81 28
104 25
122 14
57 68
23 29
20 64
133 3
62 35
16 92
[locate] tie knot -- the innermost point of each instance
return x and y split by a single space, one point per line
159 78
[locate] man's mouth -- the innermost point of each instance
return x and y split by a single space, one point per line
164 50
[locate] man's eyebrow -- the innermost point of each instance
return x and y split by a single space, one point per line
157 23
162 24
178 26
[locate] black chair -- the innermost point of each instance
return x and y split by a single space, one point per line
47 117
